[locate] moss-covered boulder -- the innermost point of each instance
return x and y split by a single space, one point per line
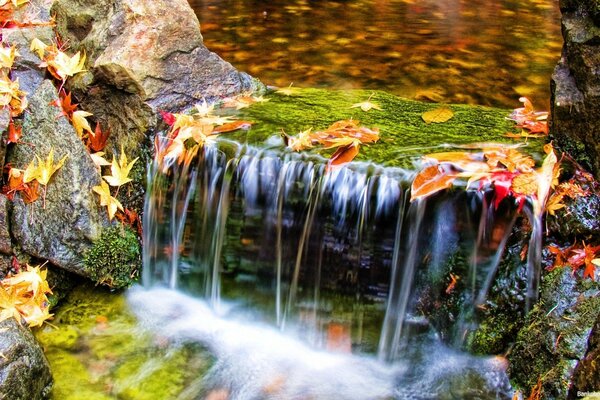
24 371
555 335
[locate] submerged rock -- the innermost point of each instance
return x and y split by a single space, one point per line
24 370
575 102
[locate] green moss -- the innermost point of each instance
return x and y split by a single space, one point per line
492 335
555 333
97 351
115 258
404 134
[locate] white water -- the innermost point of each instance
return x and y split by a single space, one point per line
255 361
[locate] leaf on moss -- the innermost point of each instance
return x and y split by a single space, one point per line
438 115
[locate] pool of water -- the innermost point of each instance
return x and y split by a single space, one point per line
462 51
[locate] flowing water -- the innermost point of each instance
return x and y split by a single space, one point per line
275 261
457 51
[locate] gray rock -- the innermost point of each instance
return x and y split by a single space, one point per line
575 102
5 265
71 221
24 370
151 49
5 242
4 121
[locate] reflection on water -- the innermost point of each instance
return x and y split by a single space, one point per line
464 51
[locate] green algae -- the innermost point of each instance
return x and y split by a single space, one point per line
404 134
115 258
96 350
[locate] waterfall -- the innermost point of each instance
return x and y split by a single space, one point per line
326 253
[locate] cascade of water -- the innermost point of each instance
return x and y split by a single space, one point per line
322 252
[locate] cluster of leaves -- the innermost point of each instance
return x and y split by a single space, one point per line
58 63
575 187
190 132
345 136
510 172
11 96
533 124
577 256
7 21
23 297
119 175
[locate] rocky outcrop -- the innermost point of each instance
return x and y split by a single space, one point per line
576 84
587 373
24 370
150 48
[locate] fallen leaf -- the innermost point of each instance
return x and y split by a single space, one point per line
99 160
288 91
97 141
232 126
106 199
61 66
14 133
430 180
438 115
343 154
80 122
120 171
367 105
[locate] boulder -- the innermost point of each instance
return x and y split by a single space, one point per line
575 85
587 373
152 49
70 221
24 370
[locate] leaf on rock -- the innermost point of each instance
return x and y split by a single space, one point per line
106 199
61 66
14 133
97 141
367 105
120 171
343 154
438 115
232 126
45 169
80 122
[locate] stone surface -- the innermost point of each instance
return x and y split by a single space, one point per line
71 219
150 48
24 370
587 373
575 84
5 241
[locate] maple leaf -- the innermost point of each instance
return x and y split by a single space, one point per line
438 115
7 56
453 281
80 122
66 105
430 180
561 259
232 126
167 117
38 47
584 257
106 199
367 105
45 169
97 141
120 171
33 280
343 154
204 109
555 203
61 66
14 133
527 118
34 313
99 160
8 304
301 141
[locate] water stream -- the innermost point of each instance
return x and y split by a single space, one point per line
320 283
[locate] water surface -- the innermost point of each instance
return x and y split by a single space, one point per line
475 51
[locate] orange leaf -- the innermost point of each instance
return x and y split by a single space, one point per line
431 180
232 126
97 141
343 155
14 133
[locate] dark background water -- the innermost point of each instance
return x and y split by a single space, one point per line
465 51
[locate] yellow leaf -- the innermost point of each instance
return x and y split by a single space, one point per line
301 141
204 109
38 47
438 115
107 200
33 280
47 168
8 304
31 172
7 56
65 66
341 141
120 171
80 122
596 261
35 313
99 160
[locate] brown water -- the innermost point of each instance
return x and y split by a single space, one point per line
465 51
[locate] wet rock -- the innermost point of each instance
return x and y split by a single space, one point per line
5 265
152 49
587 373
555 335
24 371
575 85
70 221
